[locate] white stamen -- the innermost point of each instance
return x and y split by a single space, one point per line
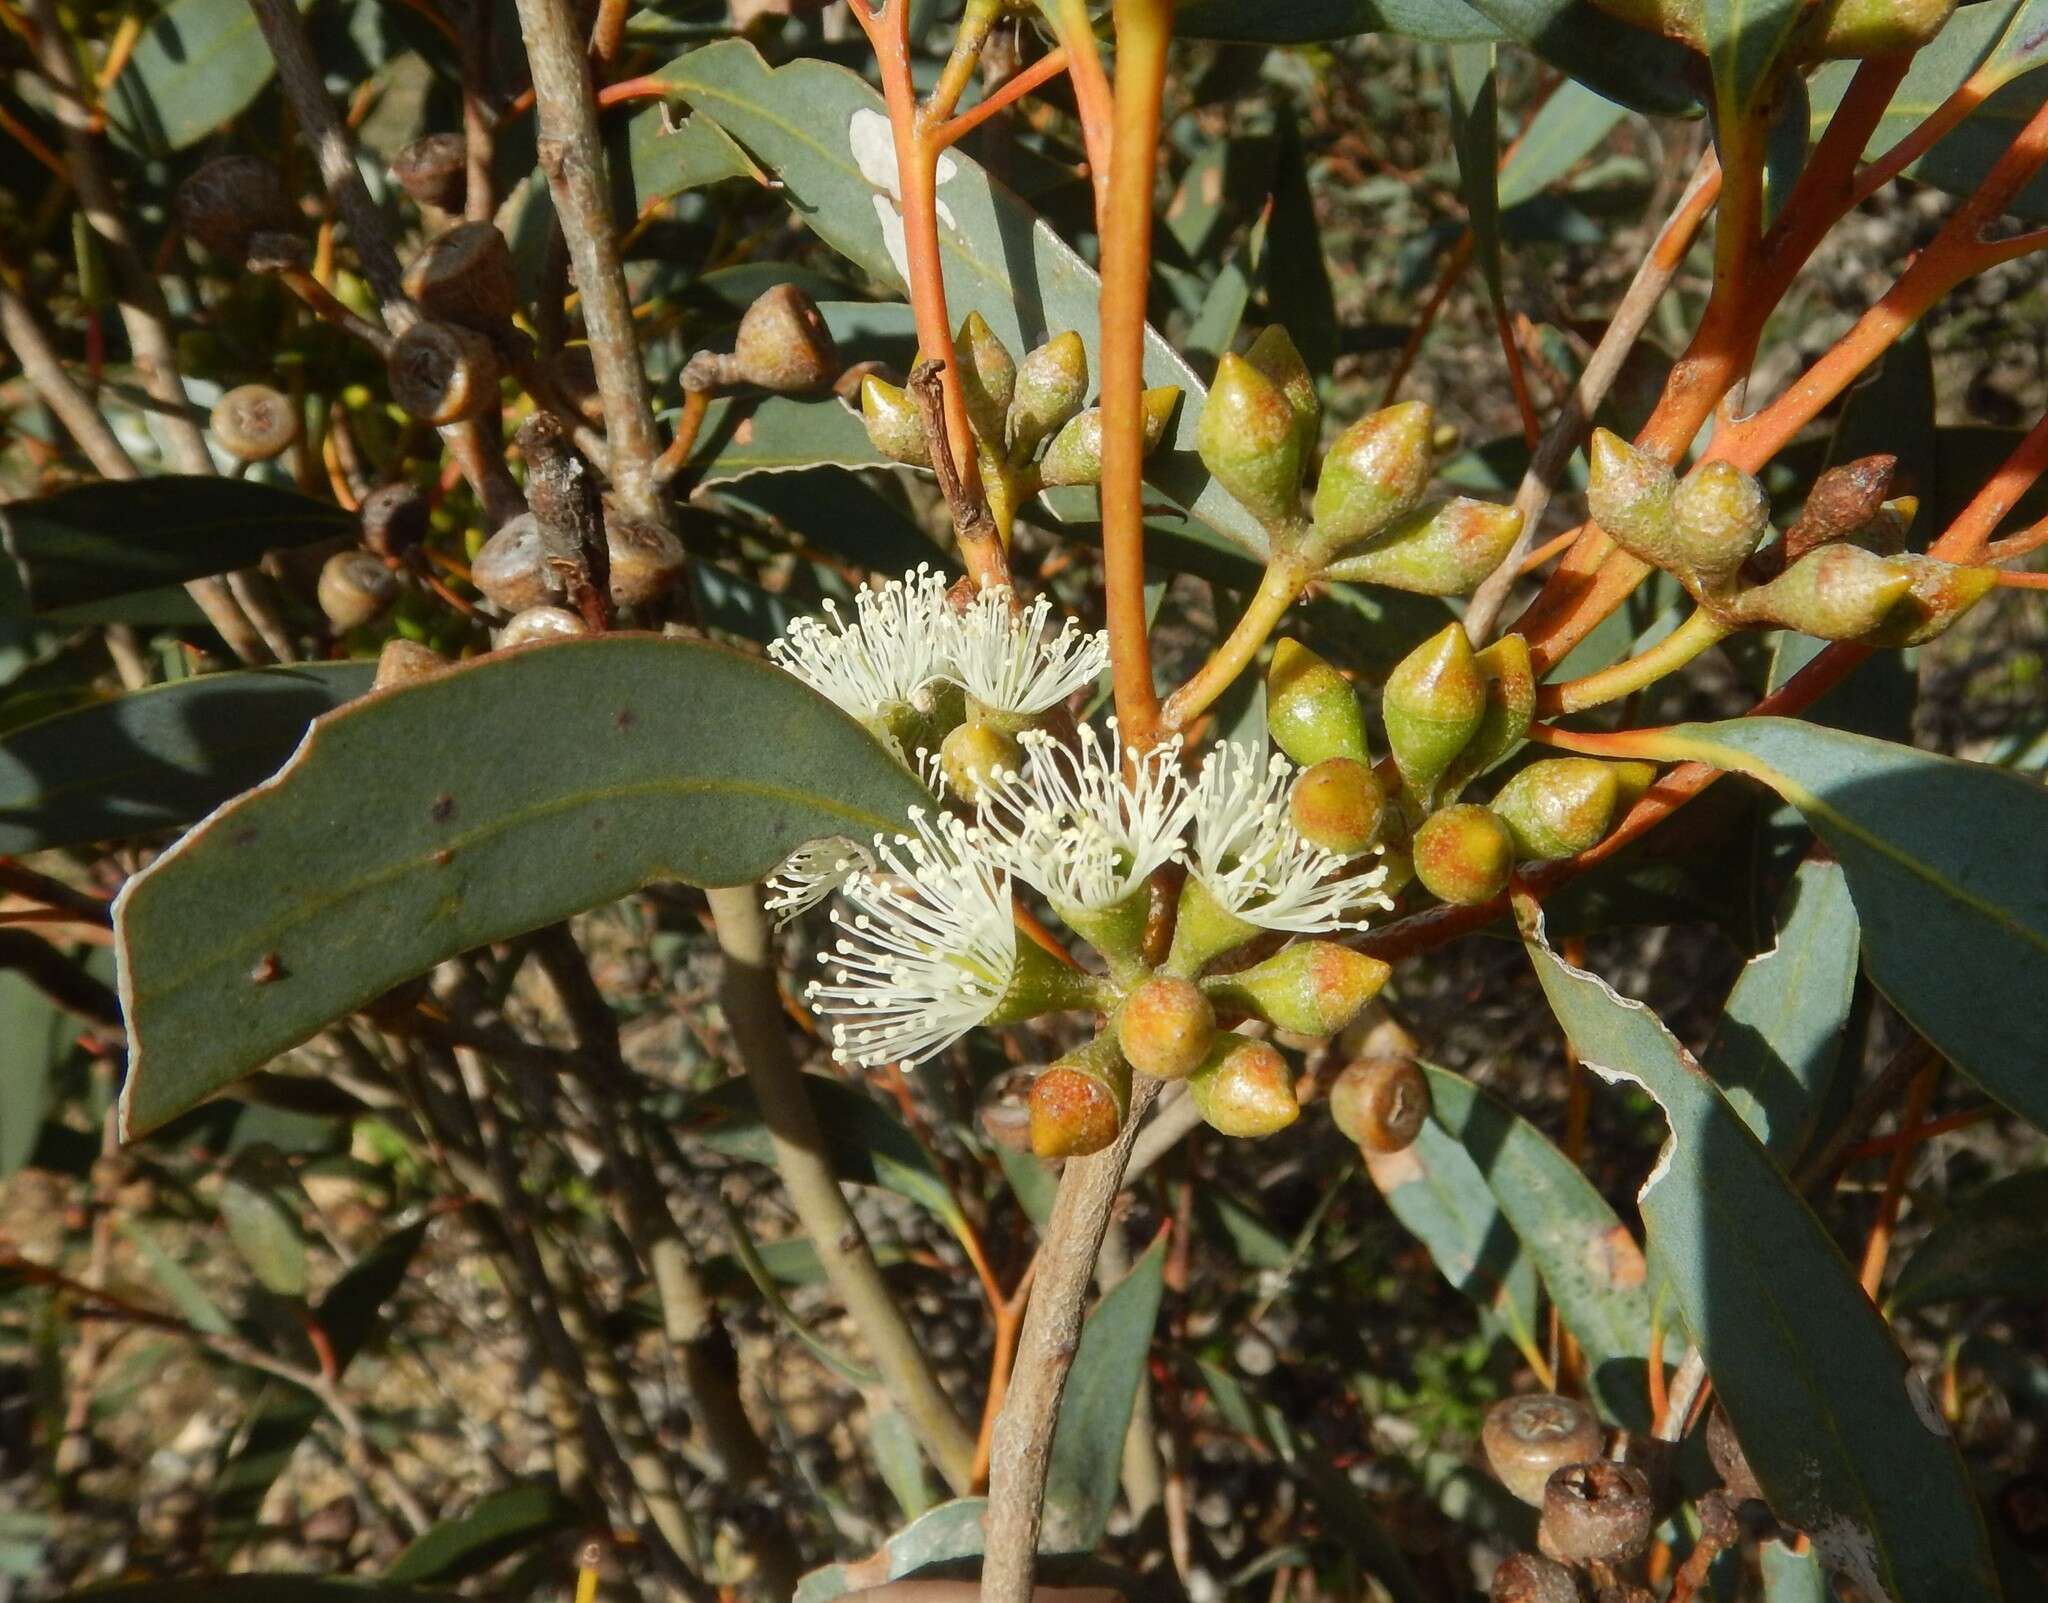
897 643
813 872
1011 661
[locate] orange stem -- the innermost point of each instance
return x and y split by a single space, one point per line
1046 67
1440 292
1076 33
1918 1135
1878 1248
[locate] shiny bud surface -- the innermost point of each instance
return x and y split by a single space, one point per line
894 425
1463 855
1167 1027
1629 495
1937 594
1718 514
1840 592
1435 551
1338 804
988 378
972 754
1433 702
1249 437
1309 987
1052 382
1312 713
1510 706
1275 354
1559 806
1381 1104
1245 1089
1374 474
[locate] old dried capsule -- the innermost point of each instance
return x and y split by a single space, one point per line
354 589
443 373
394 518
1532 1578
229 201
1339 805
1244 1088
254 422
1374 474
1312 988
784 345
1730 1462
1842 500
895 427
1249 437
541 623
1559 807
1312 713
1052 382
1381 1103
406 662
1166 1027
1435 551
646 560
434 170
511 569
1529 1438
1463 854
1433 702
1598 1512
465 275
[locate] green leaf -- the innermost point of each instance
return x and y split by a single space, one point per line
36 1034
1475 135
774 434
1102 1387
948 1533
157 758
1945 863
1848 1446
263 1229
118 536
1743 38
804 121
653 158
1791 1577
498 796
1644 71
1589 1260
499 1524
1778 1044
200 64
1568 128
194 1306
1995 1244
1311 21
899 1460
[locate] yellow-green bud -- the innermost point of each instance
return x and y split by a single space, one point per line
1559 807
973 754
1203 930
1463 855
1629 494
1374 474
1381 1103
1433 702
1437 550
1310 987
1250 438
1245 1089
1274 354
1312 713
1052 382
1852 30
1339 805
1166 1027
894 426
783 343
1510 705
988 378
1079 1103
1939 593
1840 592
1075 455
1718 514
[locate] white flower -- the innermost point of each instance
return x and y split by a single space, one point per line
1081 825
1011 662
899 641
927 951
1256 864
813 872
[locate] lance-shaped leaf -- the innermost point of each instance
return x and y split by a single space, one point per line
1843 1436
489 800
1945 863
1995 1244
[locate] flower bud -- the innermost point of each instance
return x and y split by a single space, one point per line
537 624
1275 355
1310 987
988 379
894 426
1842 500
443 373
1510 705
1312 713
1675 19
405 662
1166 1027
1558 807
1527 1439
1433 702
394 519
254 422
1381 1104
972 754
1203 930
434 170
354 589
465 275
1940 593
1075 455
511 568
1435 551
1374 474
1245 1088
1629 495
1338 804
1840 592
1718 514
229 201
1853 30
1052 382
645 560
1598 1512
783 343
1463 854
1079 1103
1250 438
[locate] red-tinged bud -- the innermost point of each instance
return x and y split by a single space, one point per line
1312 988
1940 593
1433 702
1854 30
1166 1027
1435 551
1312 713
1079 1103
1381 1104
1840 592
1682 20
1249 437
1463 855
1374 474
1245 1089
1559 807
1718 514
1510 705
973 754
1075 455
894 426
1052 382
783 343
1274 354
1339 805
1629 494
465 275
1842 500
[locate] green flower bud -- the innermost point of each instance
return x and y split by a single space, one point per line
1463 855
1312 713
1718 514
988 378
1339 805
1381 1104
1433 702
1079 1104
1629 494
1939 593
1203 930
1631 781
973 754
1245 1089
1437 550
1166 1027
1274 354
1852 30
1075 455
1052 382
894 426
1510 706
1840 592
1249 437
1558 807
1375 473
1309 987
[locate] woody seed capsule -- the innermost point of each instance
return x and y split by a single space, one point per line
465 275
783 343
511 569
1381 1104
537 624
394 519
406 662
1598 1512
254 422
443 373
434 170
229 201
1530 1437
645 562
354 589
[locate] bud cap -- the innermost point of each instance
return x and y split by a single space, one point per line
1374 474
1435 551
1166 1027
1433 703
1310 987
1312 713
1558 807
1244 1088
1250 438
1463 855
